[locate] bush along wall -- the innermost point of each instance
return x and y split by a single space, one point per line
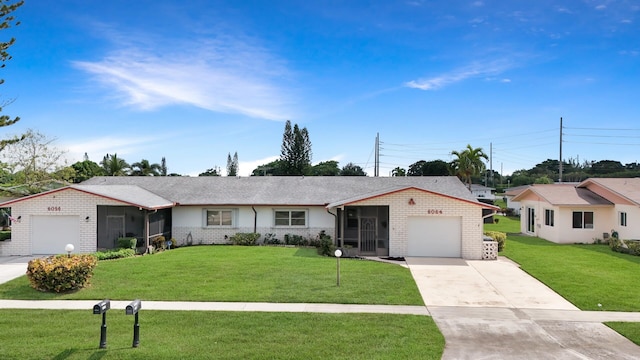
245 239
61 273
498 236
631 247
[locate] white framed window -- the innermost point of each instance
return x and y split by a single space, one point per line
583 219
290 218
623 218
549 217
219 218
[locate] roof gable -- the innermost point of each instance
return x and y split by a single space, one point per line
561 195
616 190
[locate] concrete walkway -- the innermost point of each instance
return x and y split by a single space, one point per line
494 310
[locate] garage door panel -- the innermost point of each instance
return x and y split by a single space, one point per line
50 234
434 236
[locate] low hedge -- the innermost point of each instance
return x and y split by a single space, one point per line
114 254
498 236
246 239
61 273
127 242
631 247
5 235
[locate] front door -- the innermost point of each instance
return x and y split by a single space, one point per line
531 220
368 235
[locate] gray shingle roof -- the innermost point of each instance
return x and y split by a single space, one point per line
131 194
279 190
563 195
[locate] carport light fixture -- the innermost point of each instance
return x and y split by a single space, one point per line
69 248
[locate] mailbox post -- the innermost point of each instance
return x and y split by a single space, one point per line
132 309
101 309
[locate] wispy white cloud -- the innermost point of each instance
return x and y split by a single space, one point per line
472 71
96 148
222 74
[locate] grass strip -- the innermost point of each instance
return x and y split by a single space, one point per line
74 334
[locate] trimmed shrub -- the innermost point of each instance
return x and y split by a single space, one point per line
245 239
114 254
61 273
159 242
127 242
271 239
5 235
296 240
325 245
498 236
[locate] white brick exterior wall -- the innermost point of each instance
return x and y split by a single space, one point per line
429 204
65 202
191 220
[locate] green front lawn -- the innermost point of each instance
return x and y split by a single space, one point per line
504 224
627 329
73 334
239 273
586 275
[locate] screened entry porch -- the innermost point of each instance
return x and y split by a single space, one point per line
363 230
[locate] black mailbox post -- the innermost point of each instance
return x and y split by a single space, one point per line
132 309
101 309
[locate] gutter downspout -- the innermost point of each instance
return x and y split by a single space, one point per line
335 230
255 219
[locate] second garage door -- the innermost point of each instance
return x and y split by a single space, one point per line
434 236
50 234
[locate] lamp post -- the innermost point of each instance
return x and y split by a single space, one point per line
69 248
338 254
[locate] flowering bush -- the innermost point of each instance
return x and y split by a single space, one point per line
61 273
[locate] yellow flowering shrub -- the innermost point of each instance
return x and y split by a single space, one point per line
61 273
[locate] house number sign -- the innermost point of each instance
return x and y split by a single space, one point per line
434 212
54 208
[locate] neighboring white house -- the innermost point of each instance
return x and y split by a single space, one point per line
482 192
582 213
391 216
512 192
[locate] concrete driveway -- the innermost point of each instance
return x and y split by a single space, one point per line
494 310
12 267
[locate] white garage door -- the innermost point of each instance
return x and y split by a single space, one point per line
50 234
434 236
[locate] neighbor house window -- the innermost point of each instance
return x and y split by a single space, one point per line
219 217
290 218
623 218
548 217
583 219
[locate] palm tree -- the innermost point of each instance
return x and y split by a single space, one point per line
398 172
468 163
144 168
114 166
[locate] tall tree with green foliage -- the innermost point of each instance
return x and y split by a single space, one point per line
325 168
468 163
34 161
144 168
295 153
399 172
214 171
352 169
7 20
163 167
114 166
86 169
232 164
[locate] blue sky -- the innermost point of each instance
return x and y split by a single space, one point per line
195 80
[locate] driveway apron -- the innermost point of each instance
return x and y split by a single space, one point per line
494 310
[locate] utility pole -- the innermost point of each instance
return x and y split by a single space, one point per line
491 163
560 163
376 171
